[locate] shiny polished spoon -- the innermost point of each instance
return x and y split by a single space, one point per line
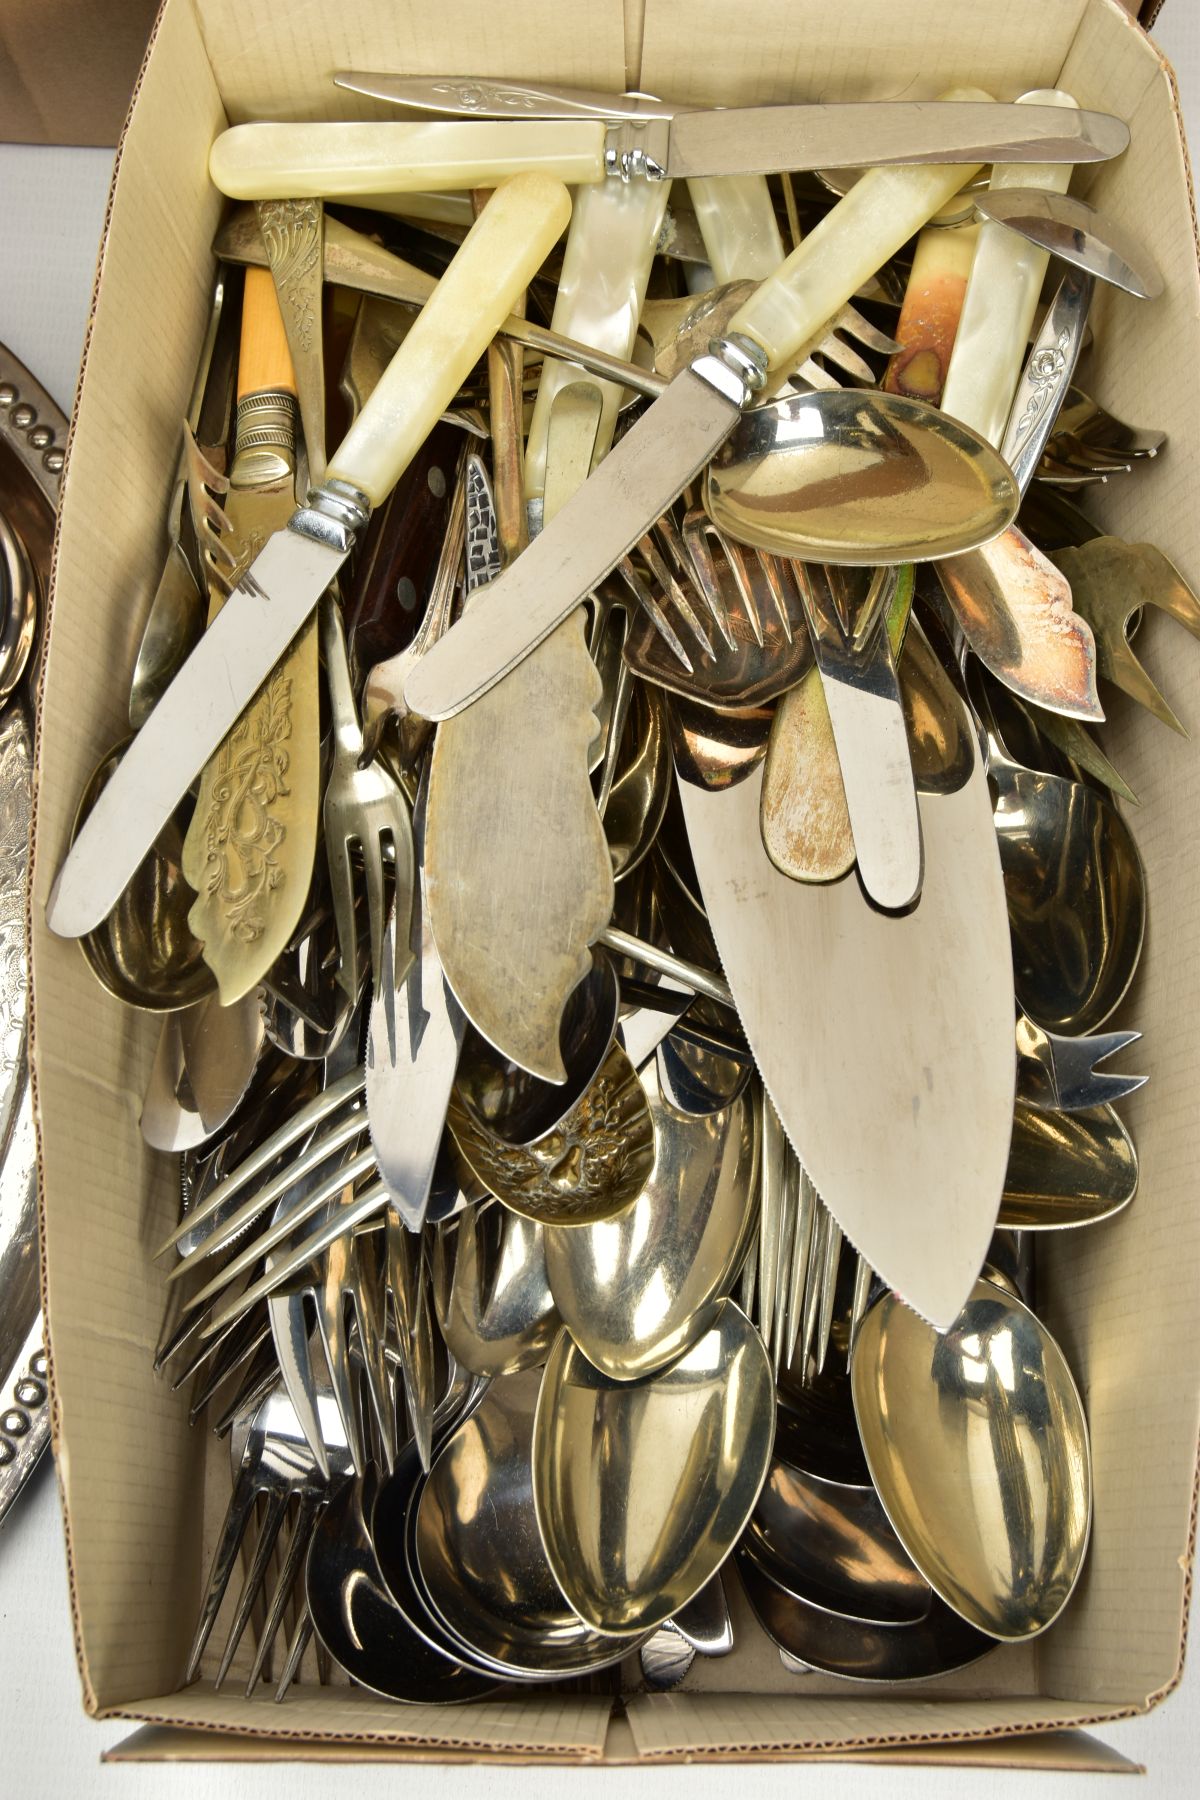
478 1550
1067 1169
831 1542
491 1292
643 1488
358 1621
637 1290
978 1447
1074 884
858 477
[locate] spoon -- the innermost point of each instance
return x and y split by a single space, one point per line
811 1638
1067 1168
1077 233
636 798
358 1621
494 1305
144 952
18 608
478 1550
591 1165
505 1100
858 477
1074 885
831 1542
637 1290
643 1488
977 1444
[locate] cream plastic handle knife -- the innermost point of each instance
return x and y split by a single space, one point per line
606 266
1006 279
512 237
340 161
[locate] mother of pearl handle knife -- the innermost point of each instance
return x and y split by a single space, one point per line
339 161
277 593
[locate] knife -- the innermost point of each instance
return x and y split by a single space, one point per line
250 846
278 592
659 139
338 161
900 1105
641 478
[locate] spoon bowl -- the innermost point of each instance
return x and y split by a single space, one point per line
978 1447
637 1290
858 477
479 1552
359 1623
643 1488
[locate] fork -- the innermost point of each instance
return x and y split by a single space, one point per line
276 1466
364 805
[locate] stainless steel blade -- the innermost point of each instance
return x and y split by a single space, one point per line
758 140
885 1043
633 486
459 97
226 669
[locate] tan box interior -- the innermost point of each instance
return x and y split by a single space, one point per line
142 1495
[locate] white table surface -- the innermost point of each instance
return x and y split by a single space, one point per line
51 212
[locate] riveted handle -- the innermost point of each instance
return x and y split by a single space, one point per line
341 161
498 258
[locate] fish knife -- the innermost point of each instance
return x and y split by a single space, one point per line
278 592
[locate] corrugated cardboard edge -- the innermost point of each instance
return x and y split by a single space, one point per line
646 1721
90 1701
1060 1752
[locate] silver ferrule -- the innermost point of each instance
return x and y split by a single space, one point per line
264 444
335 514
735 365
637 148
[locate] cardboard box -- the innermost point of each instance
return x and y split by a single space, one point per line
142 1493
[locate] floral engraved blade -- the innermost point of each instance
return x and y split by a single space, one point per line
249 849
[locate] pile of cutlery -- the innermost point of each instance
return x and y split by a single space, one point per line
633 891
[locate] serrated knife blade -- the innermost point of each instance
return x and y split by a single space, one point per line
885 1043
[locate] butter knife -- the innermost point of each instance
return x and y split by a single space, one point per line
278 592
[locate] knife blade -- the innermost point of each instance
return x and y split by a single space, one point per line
759 140
279 591
648 469
900 1105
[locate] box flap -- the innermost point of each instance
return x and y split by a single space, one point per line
1059 1752
67 68
558 1725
